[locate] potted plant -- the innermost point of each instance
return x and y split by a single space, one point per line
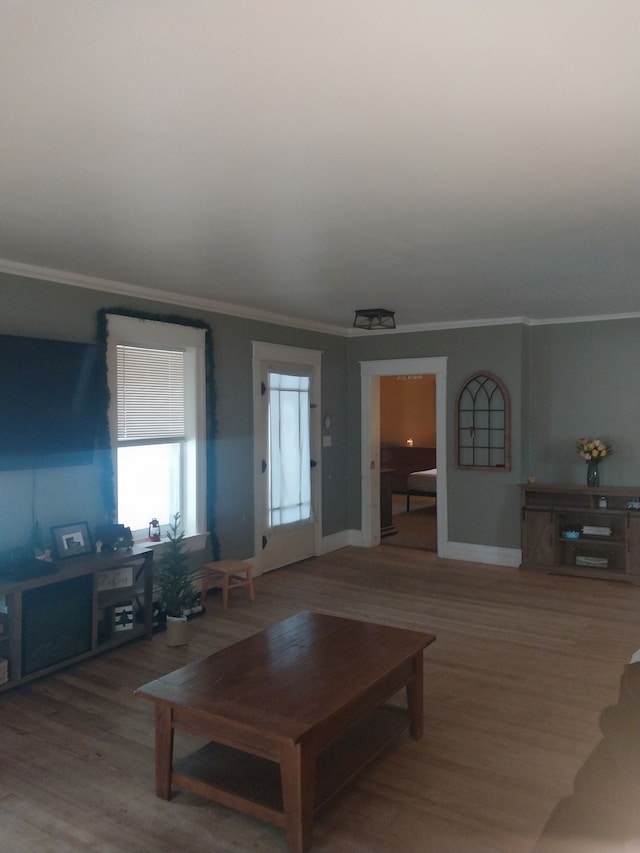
173 578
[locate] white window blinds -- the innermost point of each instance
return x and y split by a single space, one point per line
150 389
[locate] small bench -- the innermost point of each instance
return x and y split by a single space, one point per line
227 574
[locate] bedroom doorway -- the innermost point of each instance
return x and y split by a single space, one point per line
408 445
370 373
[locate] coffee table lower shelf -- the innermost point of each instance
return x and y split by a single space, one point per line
251 784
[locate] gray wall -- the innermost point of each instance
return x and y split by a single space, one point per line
585 382
483 506
46 309
233 357
564 380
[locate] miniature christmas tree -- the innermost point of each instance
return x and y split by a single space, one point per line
173 575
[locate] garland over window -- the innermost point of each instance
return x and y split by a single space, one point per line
103 399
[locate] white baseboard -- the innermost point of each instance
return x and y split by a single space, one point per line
489 554
340 540
482 554
464 551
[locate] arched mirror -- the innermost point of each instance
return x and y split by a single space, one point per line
483 423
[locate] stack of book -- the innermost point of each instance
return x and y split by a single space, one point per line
589 530
592 562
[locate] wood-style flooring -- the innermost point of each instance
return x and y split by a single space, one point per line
522 667
417 528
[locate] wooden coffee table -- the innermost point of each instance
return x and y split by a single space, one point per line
292 714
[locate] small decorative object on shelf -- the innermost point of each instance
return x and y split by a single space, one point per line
596 530
37 541
154 530
123 617
113 537
593 451
72 540
571 533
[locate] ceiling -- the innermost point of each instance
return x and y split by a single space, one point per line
454 161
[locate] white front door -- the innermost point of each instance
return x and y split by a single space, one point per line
286 445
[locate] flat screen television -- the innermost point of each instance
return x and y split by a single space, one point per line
48 409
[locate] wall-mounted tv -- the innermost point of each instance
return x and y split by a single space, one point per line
48 410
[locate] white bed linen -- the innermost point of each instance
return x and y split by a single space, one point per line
423 481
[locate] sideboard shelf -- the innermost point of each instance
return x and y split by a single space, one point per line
107 597
607 531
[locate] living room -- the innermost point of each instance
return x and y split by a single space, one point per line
539 291
564 380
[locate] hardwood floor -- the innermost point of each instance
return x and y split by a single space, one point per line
514 685
415 529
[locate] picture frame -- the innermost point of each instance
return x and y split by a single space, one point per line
72 540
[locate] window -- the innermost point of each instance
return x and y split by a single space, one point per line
289 449
157 421
483 423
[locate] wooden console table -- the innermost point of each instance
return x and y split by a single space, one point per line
605 538
99 585
292 712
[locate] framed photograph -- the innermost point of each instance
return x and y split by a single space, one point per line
72 540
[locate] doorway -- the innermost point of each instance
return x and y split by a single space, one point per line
287 476
370 373
408 445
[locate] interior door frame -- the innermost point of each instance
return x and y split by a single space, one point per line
370 373
266 354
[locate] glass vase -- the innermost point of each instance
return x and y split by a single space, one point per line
593 473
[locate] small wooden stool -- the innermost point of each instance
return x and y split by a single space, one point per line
227 574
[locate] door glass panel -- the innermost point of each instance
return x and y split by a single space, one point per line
289 451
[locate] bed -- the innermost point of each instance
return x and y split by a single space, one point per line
403 461
422 483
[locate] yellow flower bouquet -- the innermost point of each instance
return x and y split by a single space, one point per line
593 449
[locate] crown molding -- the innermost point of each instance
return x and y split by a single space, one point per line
434 327
231 310
592 318
168 297
506 321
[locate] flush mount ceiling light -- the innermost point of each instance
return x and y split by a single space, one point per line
374 318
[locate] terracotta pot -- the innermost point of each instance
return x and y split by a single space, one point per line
177 631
